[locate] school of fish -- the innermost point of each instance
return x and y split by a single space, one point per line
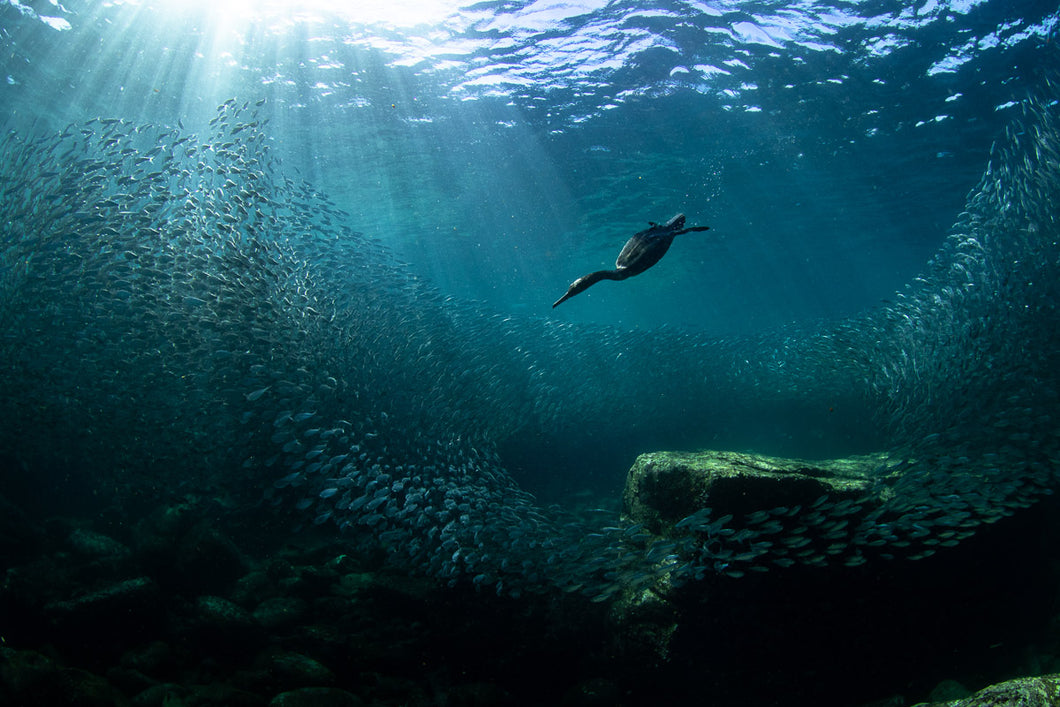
177 312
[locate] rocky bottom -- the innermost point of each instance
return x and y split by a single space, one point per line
194 603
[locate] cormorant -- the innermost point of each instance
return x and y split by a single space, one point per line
641 251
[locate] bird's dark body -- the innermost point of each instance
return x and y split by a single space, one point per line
643 250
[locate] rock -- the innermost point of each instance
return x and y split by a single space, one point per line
90 545
172 520
29 679
343 564
1023 692
161 696
325 639
209 561
664 487
222 615
154 659
82 688
21 670
390 689
298 669
220 694
949 690
593 693
257 679
227 628
316 697
253 588
352 584
129 681
280 611
644 623
279 569
479 694
309 581
118 602
24 592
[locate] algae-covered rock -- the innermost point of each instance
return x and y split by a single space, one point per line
223 625
188 695
223 614
725 513
316 697
155 658
1041 691
30 679
88 544
137 597
279 612
664 487
301 670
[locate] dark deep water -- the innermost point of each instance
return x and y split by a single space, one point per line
284 405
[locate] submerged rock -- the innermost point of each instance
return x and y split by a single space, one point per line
713 514
137 597
92 545
223 614
209 695
316 697
279 612
1041 691
300 669
592 693
949 690
662 488
227 627
207 560
155 658
30 679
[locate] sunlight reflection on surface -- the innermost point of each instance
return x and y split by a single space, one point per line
394 13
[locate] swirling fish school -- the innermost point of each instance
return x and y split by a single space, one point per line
177 312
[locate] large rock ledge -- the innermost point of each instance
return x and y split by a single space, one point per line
751 491
1041 691
664 487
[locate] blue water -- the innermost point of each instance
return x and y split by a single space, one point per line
302 261
505 148
502 150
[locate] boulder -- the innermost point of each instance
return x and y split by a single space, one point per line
316 697
87 544
300 670
757 495
100 608
662 488
223 615
30 679
1041 691
280 612
208 561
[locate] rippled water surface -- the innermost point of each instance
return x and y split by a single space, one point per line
504 148
297 262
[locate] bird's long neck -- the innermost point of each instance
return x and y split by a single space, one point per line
586 281
616 274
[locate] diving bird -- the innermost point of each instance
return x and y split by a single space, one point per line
641 251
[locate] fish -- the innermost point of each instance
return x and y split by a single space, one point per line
167 283
255 395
